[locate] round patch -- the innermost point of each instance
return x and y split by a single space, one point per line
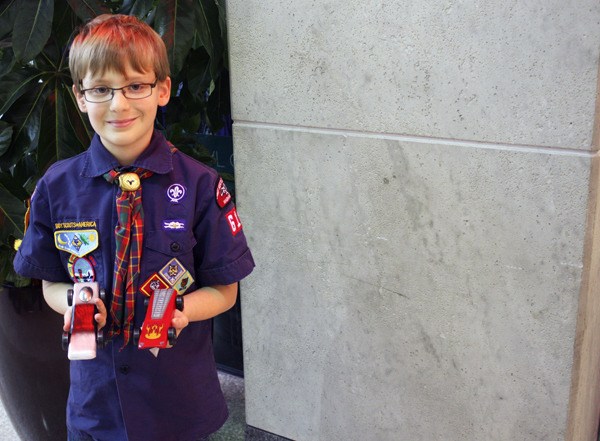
176 192
81 270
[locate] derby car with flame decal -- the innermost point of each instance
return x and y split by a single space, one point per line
83 337
156 331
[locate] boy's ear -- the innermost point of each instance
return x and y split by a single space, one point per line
80 100
164 91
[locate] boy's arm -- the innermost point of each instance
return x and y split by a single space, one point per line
205 303
55 294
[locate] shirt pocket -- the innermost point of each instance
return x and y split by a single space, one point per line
168 254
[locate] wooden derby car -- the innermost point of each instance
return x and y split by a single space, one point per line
83 337
156 331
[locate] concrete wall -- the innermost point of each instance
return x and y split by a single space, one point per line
418 184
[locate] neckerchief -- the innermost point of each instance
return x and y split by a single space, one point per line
128 239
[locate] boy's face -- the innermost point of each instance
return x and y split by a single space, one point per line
124 125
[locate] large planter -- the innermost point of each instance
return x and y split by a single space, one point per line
34 370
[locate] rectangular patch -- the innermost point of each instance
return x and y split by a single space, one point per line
174 224
71 225
234 221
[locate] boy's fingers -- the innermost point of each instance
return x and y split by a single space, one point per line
100 316
67 319
179 321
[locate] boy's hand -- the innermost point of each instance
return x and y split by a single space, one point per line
100 316
179 321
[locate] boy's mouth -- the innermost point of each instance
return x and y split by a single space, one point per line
120 123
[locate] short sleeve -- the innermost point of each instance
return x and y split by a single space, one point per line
222 255
37 256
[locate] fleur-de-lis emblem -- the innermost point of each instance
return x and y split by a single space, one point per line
176 192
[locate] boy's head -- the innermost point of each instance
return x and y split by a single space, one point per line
117 42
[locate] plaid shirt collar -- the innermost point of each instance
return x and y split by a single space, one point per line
157 157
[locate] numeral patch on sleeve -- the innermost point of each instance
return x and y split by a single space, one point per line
234 221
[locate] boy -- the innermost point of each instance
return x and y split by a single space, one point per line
183 234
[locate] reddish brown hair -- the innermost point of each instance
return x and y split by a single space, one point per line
116 42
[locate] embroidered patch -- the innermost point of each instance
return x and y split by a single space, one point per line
222 194
77 242
184 283
71 225
81 269
154 282
172 272
234 221
174 224
176 192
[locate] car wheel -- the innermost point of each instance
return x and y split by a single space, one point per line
65 340
172 335
179 303
100 339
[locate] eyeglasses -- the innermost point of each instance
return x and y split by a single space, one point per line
102 94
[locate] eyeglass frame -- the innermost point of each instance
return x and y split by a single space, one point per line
114 89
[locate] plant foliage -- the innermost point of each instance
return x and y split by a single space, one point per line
40 122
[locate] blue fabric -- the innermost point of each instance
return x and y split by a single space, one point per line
76 436
129 394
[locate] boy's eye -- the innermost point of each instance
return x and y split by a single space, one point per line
100 90
135 87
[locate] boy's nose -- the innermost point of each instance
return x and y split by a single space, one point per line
118 100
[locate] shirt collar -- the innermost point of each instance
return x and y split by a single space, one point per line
157 157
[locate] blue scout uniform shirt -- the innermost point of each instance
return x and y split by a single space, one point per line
130 394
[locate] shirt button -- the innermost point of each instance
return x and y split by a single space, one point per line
124 369
175 247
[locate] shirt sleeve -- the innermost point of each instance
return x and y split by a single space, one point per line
37 257
221 255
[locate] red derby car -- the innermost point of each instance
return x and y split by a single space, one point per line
156 331
83 337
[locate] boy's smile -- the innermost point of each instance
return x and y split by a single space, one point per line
124 125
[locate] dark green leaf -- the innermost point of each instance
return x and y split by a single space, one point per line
23 171
13 211
7 9
26 116
33 23
218 103
223 26
73 134
15 84
175 23
88 9
5 136
198 72
7 60
141 8
209 33
64 26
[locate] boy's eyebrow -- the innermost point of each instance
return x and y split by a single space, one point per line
103 81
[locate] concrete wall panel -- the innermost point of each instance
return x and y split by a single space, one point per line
498 71
408 290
